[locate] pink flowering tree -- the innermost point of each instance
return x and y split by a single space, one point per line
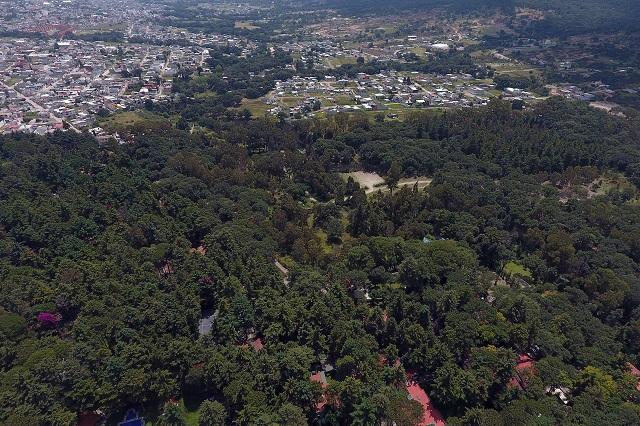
48 319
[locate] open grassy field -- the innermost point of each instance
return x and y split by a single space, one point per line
30 115
340 60
205 95
101 29
611 183
421 182
121 120
12 81
257 107
290 101
386 28
514 69
396 108
244 25
420 51
368 181
493 29
373 182
344 100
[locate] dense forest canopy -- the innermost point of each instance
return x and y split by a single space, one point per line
525 245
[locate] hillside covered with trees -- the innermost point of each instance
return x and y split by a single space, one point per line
508 289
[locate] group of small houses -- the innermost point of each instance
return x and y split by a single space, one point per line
330 47
20 118
75 80
373 92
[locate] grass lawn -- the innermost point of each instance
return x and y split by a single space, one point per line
395 286
191 415
327 248
287 261
513 269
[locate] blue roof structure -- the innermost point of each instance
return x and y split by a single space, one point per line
132 419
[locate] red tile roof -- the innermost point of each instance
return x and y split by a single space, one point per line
524 361
88 419
634 372
431 414
317 377
525 368
257 344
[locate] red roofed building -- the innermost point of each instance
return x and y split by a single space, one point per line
635 372
256 344
319 377
524 370
431 415
253 342
89 418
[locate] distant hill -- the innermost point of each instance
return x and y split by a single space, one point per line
566 17
372 6
563 17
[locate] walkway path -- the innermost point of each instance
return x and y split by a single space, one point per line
286 281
